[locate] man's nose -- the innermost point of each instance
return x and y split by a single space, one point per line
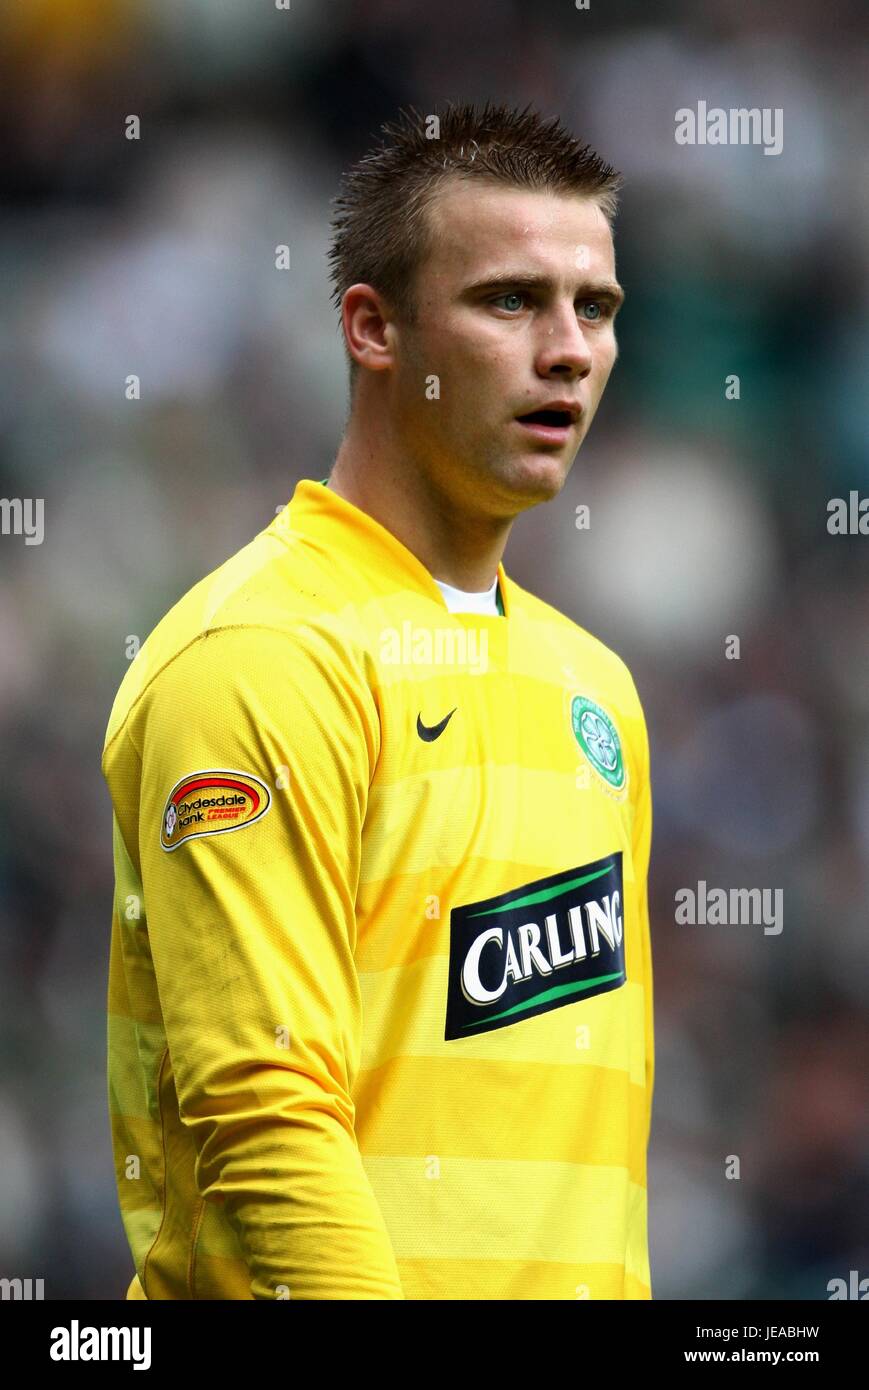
564 349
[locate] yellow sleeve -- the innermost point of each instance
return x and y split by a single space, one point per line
252 934
642 844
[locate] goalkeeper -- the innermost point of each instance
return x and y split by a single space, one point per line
380 987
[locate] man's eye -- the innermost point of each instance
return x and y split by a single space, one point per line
511 294
598 309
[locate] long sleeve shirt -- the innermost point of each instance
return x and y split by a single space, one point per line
380 983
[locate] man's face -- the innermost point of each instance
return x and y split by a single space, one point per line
515 310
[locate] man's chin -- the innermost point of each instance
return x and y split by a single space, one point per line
539 476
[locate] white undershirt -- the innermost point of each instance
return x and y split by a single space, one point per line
460 601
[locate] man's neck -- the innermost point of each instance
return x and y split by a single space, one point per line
456 546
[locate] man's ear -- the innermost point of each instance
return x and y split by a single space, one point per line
368 327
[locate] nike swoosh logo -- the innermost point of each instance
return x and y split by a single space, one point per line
435 731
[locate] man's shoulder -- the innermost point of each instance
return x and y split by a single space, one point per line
584 654
599 680
266 598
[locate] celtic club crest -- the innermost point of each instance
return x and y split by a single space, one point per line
599 740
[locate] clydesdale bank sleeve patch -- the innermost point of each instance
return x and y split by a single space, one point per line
212 802
548 943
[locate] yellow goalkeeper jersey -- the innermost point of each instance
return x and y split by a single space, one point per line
380 983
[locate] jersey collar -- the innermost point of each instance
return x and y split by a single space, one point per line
343 528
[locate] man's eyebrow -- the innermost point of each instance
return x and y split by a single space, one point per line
587 289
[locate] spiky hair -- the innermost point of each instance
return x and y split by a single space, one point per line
379 223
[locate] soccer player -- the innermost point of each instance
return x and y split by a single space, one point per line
380 995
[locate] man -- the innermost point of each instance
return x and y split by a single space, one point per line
380 1004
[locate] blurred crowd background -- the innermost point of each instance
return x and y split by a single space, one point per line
709 520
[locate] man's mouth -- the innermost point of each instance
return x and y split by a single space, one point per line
552 425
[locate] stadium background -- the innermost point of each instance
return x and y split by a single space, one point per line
709 517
